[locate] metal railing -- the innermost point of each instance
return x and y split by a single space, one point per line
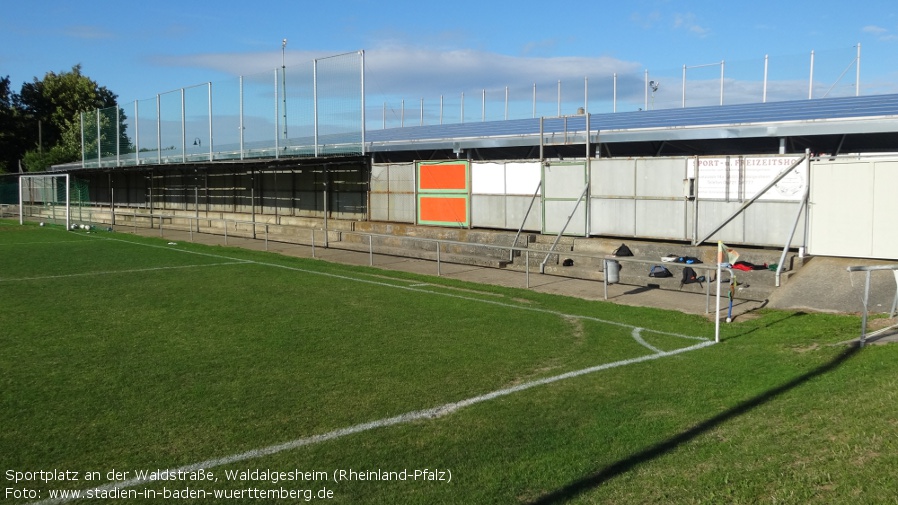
318 238
868 270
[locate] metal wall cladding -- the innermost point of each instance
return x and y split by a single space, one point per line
661 178
712 213
613 177
379 207
515 210
556 213
769 223
392 195
664 219
610 216
853 209
380 178
488 179
502 192
640 197
563 180
522 178
646 197
852 203
402 178
488 211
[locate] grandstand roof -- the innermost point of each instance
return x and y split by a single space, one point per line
823 125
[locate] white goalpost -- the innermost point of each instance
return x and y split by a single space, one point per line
45 197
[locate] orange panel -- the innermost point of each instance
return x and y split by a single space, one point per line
443 176
447 210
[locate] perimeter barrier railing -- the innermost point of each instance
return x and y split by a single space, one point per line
315 238
868 270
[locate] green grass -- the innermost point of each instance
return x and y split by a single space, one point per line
121 352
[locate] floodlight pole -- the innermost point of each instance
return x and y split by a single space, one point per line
362 97
315 104
284 85
684 86
764 93
646 104
811 79
68 203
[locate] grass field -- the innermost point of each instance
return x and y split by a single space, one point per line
123 355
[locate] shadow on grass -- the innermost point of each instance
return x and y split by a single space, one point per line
766 325
611 471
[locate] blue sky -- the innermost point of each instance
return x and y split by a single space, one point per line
418 49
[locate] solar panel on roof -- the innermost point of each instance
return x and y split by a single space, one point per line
725 116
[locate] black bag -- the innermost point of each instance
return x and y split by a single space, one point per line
659 271
623 250
690 277
567 262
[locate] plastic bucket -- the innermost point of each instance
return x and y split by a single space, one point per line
612 271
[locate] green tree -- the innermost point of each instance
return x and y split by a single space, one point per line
53 106
13 141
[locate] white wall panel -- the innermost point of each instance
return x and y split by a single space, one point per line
840 204
613 177
853 209
516 209
522 178
885 211
664 219
564 180
487 178
613 217
662 178
488 211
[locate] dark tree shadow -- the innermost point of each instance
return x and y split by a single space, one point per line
598 478
748 331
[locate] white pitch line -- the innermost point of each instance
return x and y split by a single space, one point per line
42 243
414 289
638 338
431 413
129 271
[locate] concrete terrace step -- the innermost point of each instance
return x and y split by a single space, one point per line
411 244
421 253
589 255
628 276
490 248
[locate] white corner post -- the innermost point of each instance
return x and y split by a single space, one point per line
717 310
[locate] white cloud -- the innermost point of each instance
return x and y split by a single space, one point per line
420 75
88 32
646 20
879 32
416 71
687 22
875 30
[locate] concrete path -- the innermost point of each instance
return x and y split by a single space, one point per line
823 284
